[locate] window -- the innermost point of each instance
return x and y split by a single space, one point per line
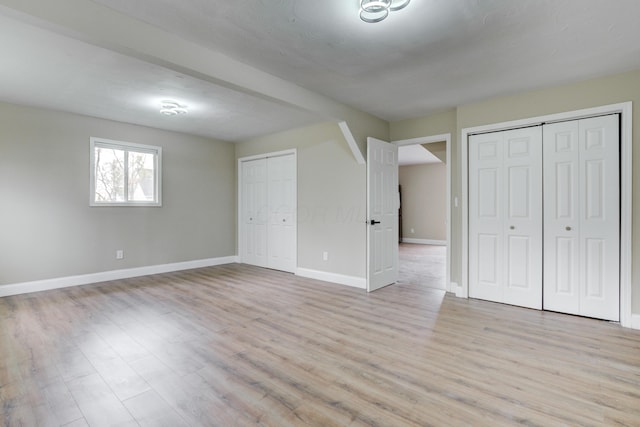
124 174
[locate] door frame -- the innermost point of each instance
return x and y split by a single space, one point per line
240 227
446 137
626 163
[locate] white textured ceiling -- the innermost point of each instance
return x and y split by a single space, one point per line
430 56
41 68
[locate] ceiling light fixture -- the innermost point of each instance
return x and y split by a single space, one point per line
172 108
373 11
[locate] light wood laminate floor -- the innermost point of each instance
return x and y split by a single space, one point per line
237 345
423 265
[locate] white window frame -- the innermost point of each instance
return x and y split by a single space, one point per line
126 147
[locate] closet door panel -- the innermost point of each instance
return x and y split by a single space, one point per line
582 217
254 212
600 217
282 203
486 215
561 219
523 217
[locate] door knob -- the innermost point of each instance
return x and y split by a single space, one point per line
374 222
512 227
568 228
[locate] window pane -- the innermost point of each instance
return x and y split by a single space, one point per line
109 175
141 177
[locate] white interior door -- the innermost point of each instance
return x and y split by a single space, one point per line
505 217
281 191
254 212
382 214
582 217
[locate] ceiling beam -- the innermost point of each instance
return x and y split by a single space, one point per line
102 26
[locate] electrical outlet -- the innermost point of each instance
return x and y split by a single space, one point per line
412 231
119 254
325 256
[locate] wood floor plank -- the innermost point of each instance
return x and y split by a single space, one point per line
236 345
98 403
149 409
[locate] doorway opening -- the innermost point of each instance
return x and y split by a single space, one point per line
424 216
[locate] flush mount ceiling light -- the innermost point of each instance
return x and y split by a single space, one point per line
172 108
372 11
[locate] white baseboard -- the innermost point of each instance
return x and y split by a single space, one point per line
635 321
457 289
424 241
105 276
341 279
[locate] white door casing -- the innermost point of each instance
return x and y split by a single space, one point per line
446 137
505 217
382 214
582 217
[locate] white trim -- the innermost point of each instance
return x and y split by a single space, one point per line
424 139
346 132
325 276
626 209
424 241
446 137
456 289
267 155
626 213
105 276
635 321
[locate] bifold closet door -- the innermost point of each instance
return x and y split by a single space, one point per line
281 190
582 217
268 212
505 217
254 212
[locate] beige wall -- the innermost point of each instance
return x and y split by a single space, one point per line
331 197
48 230
436 124
574 96
424 201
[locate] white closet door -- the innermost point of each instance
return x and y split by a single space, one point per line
523 217
582 253
282 202
561 217
254 212
505 217
486 217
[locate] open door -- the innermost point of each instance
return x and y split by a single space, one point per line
382 214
